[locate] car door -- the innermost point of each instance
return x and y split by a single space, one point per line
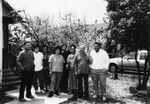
129 61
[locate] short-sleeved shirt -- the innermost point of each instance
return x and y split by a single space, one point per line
57 62
38 61
26 59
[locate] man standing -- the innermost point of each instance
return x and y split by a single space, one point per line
38 70
99 68
25 61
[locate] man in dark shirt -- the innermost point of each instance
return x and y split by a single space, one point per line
25 61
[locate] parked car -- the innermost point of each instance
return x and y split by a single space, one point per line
128 62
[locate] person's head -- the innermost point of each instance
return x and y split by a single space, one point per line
27 46
82 49
45 49
36 49
97 46
72 48
64 47
57 50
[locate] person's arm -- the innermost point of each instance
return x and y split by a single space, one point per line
19 59
90 58
63 60
106 57
75 64
68 43
50 63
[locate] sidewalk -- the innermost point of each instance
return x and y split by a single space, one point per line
39 99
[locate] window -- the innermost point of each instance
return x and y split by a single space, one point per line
131 56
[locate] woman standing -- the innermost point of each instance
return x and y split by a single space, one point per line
82 70
56 62
71 69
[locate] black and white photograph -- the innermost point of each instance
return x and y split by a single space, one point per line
74 51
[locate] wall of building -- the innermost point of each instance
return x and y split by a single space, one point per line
1 42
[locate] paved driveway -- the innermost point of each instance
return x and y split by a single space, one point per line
39 99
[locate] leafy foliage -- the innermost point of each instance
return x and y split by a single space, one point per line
129 22
42 31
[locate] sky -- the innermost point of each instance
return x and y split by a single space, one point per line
91 10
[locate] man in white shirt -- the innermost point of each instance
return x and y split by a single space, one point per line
99 68
38 72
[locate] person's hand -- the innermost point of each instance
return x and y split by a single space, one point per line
50 72
76 72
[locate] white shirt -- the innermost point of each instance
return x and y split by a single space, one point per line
38 61
100 60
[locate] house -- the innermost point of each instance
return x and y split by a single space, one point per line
5 20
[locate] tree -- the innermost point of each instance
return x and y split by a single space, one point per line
129 24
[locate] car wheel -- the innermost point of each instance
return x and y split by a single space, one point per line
112 68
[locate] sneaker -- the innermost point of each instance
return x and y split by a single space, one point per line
50 94
56 92
37 92
22 100
30 96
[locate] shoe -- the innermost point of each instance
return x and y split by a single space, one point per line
22 100
72 92
31 96
73 98
37 92
42 92
50 94
56 92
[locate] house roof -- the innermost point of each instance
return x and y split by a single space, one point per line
7 6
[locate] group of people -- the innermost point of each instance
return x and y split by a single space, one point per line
63 71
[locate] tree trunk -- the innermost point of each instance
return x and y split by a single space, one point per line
139 75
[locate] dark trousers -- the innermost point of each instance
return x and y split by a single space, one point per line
39 75
83 90
47 78
26 82
64 81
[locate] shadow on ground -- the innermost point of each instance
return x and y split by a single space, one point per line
93 101
142 97
6 99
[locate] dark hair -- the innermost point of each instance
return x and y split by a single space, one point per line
64 45
26 42
36 46
98 43
72 45
57 47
